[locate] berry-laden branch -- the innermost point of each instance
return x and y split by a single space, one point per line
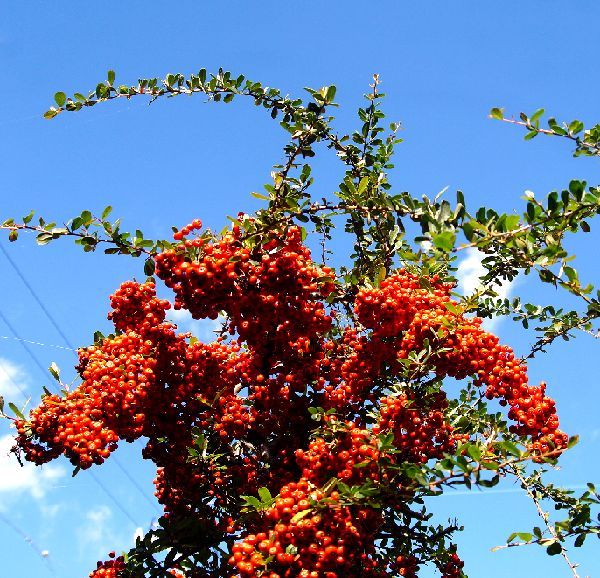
301 441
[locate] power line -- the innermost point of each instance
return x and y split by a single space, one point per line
37 299
134 482
55 324
112 497
29 540
37 343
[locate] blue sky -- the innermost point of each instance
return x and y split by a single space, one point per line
443 66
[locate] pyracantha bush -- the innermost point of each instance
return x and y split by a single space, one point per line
302 440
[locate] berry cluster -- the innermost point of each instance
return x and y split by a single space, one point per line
419 426
276 294
410 313
301 540
391 308
86 423
338 459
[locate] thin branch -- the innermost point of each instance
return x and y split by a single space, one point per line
545 517
594 149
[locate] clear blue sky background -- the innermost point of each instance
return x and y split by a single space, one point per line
443 66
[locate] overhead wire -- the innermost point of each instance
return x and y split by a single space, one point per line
15 528
113 498
35 296
135 483
31 342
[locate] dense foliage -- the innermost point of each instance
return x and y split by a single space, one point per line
303 440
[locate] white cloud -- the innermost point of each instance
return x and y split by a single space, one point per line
139 533
50 511
31 479
101 533
96 536
13 380
468 274
203 329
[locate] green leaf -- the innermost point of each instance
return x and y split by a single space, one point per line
511 222
44 238
330 94
364 182
149 266
299 515
445 241
265 495
468 231
386 440
379 276
111 77
16 411
577 187
86 217
531 134
55 371
107 211
510 448
537 115
60 98
554 549
571 274
474 452
497 113
50 113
